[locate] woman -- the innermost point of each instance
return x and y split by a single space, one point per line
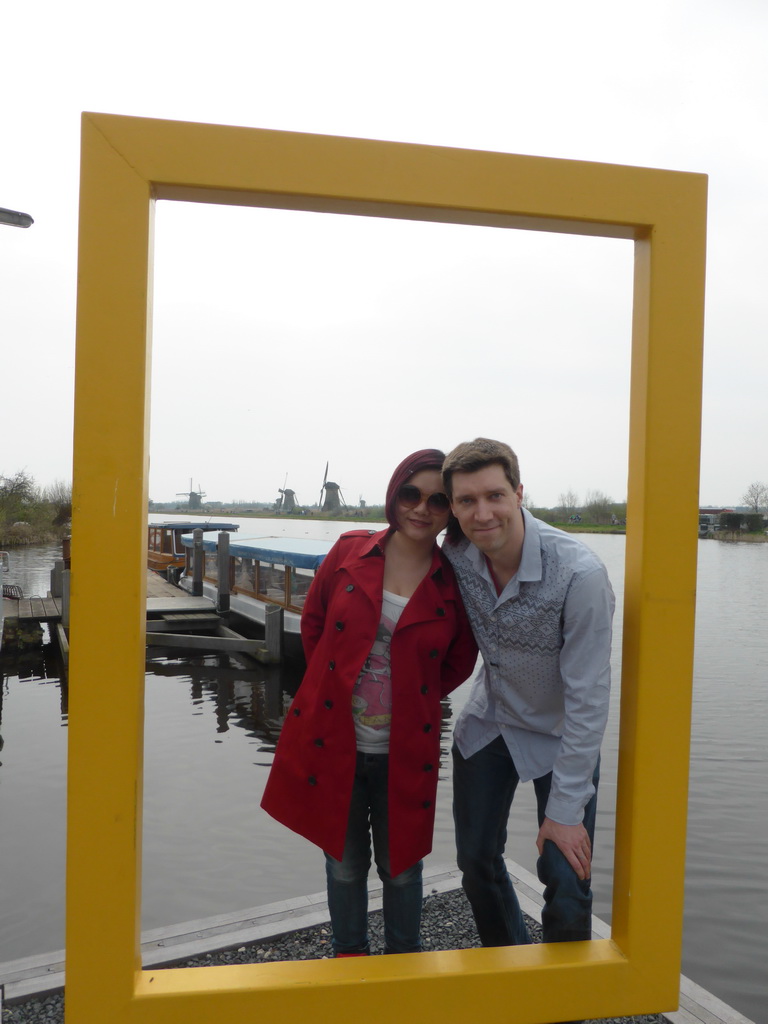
385 637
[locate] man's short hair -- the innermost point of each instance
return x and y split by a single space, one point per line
469 456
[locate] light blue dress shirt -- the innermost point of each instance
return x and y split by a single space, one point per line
546 644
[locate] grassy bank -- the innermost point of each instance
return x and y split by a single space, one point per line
588 528
738 537
24 534
374 514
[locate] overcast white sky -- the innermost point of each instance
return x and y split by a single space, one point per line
286 340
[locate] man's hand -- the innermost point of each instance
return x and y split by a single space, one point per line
572 841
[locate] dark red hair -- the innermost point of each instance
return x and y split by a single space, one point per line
427 458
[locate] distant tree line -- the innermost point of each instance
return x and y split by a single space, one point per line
752 522
30 514
756 498
597 509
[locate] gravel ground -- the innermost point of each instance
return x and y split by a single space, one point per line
446 924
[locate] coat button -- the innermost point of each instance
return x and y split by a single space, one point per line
320 743
312 780
428 727
339 626
331 665
441 612
350 587
425 688
296 712
426 803
434 653
328 704
428 767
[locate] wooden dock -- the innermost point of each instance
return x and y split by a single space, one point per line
32 609
36 976
26 615
174 619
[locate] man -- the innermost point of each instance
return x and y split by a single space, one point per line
541 607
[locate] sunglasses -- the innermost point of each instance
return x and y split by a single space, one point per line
411 496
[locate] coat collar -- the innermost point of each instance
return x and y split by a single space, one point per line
373 547
375 543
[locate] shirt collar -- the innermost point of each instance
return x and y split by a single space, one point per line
530 559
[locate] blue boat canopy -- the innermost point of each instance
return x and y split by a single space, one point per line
298 552
185 525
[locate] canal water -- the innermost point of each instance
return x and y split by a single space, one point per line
211 726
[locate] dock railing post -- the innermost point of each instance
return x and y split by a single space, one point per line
273 631
56 571
65 598
222 597
198 556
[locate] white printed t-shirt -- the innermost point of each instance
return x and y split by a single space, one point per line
372 693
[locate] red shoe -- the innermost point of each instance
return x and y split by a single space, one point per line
343 956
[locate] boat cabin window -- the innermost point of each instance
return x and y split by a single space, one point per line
245 575
266 581
300 581
272 582
211 568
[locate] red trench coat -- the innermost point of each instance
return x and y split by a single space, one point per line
310 785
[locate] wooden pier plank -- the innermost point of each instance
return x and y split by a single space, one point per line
32 609
174 619
194 621
162 598
32 977
206 643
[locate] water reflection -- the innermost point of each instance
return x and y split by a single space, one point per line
34 713
34 664
30 567
244 694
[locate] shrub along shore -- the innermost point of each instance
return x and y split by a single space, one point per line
30 514
24 535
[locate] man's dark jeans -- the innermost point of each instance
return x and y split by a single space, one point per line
483 789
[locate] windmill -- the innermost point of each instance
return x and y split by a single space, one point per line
286 500
333 499
195 498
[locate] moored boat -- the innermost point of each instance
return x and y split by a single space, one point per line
166 554
263 572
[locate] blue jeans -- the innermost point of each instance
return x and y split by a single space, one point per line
348 878
483 788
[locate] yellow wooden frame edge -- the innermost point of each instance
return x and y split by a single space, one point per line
129 162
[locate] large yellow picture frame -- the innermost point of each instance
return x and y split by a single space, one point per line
128 163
